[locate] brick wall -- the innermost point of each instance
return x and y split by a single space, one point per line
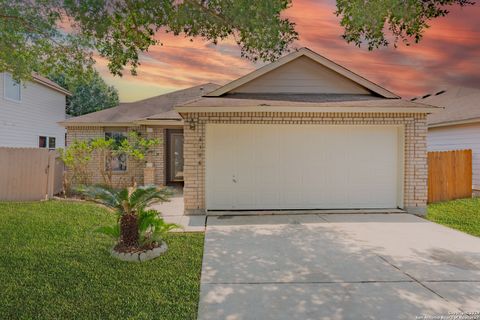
159 155
415 156
135 169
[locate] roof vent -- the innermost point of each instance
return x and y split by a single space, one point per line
440 92
426 96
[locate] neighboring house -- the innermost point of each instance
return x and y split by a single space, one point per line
457 127
299 133
30 112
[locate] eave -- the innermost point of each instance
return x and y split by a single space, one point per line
315 109
453 123
123 124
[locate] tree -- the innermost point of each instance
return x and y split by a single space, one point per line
406 20
137 227
60 36
78 155
76 158
90 93
133 146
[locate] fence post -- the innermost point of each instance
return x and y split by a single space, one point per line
51 174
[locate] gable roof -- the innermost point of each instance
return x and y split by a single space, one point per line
50 84
155 108
304 52
461 105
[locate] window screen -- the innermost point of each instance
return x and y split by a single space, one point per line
42 142
12 88
51 143
119 162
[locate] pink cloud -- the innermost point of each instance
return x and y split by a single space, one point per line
448 54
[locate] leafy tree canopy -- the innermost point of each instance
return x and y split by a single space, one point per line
90 93
60 36
366 22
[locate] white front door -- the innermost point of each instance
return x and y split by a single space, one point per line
268 166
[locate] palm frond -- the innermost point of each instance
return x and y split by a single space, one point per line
112 231
152 227
161 228
148 195
146 218
100 194
138 193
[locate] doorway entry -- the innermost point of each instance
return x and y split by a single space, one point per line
175 156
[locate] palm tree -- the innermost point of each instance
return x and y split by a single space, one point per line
129 203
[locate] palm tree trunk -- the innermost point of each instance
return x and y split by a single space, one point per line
129 230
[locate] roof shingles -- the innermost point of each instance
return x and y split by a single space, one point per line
157 108
460 104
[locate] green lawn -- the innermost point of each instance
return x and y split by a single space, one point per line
463 215
53 266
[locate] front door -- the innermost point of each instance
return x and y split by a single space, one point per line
175 155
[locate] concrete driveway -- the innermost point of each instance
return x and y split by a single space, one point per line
348 266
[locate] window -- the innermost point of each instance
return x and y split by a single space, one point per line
12 88
42 142
46 142
51 142
119 162
117 136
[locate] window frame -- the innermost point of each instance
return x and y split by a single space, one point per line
47 142
124 135
54 142
5 74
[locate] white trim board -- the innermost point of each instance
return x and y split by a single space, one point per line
316 109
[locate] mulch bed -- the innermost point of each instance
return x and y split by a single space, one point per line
120 247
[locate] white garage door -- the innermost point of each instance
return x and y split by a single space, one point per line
256 166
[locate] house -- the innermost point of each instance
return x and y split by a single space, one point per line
457 127
30 112
300 133
154 118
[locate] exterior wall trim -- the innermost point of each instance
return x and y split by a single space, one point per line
454 123
67 124
178 123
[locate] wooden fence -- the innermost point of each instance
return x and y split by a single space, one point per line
449 175
29 174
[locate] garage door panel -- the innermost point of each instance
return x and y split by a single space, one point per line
224 199
260 166
244 199
268 199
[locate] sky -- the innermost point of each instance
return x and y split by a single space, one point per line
448 55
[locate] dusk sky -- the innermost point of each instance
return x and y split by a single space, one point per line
449 55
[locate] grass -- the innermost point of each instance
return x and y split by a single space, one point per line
463 215
54 266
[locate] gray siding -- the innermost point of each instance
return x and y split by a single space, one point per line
302 75
21 123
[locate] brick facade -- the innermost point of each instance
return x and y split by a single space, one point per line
415 145
135 169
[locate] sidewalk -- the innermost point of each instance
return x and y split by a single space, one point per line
173 212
